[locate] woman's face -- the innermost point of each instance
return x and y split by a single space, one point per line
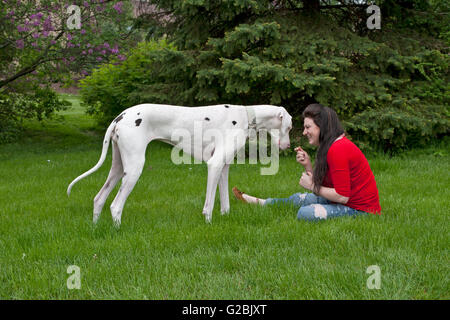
311 131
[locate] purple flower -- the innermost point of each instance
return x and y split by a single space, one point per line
48 25
20 44
121 57
106 45
83 31
45 33
90 51
115 50
36 35
118 7
69 37
22 29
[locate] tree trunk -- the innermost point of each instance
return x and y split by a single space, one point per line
21 73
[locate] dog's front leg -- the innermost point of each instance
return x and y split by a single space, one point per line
223 190
214 171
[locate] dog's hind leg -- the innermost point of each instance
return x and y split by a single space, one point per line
133 160
114 176
223 190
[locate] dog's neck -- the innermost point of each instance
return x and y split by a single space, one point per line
261 118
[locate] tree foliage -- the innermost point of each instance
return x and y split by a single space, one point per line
389 86
40 36
39 46
116 86
15 107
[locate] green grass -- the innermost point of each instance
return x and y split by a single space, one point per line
165 250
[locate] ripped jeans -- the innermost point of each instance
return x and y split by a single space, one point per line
314 207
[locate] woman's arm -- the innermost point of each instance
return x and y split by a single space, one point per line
332 195
306 182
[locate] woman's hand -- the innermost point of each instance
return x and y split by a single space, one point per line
306 181
303 159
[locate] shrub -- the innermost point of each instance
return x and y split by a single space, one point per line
38 103
114 87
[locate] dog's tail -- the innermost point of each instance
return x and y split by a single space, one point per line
102 157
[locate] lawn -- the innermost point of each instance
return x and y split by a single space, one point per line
165 250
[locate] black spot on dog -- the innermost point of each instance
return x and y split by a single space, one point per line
207 119
138 122
138 113
124 174
227 106
234 123
119 118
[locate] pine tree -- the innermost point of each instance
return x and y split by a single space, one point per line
389 86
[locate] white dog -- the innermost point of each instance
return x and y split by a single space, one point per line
135 127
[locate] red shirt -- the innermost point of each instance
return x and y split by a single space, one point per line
350 175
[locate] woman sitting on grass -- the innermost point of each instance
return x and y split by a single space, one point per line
342 181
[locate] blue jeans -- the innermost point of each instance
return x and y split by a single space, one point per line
314 207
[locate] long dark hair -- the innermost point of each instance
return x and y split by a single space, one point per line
330 129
